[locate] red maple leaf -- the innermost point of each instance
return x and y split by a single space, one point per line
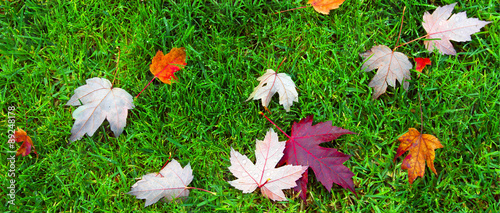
421 62
303 148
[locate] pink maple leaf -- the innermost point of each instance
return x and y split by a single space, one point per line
263 173
457 28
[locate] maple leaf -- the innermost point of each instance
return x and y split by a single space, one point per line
421 147
25 149
164 66
303 148
457 28
263 174
99 101
421 62
170 183
391 66
272 82
324 6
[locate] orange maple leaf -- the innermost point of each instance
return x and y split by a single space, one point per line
164 66
324 6
25 149
421 148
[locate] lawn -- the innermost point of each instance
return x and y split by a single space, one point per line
49 48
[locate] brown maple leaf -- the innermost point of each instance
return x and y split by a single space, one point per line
421 147
25 149
164 66
324 6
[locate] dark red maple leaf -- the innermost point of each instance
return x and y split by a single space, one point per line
303 148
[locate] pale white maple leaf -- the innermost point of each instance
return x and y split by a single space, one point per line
263 173
391 66
457 28
98 101
172 182
272 82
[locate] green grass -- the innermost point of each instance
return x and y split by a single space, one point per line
48 49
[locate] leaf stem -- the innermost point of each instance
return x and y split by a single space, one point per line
292 9
399 36
280 65
264 183
145 87
275 125
401 27
169 156
213 193
421 37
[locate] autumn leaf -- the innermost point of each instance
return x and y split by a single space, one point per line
457 28
421 63
421 147
25 149
164 66
97 100
324 6
391 66
169 184
303 148
263 173
272 82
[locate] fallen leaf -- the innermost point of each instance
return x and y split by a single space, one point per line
421 147
272 82
391 66
421 62
303 148
25 149
324 6
170 183
99 101
263 174
164 66
457 28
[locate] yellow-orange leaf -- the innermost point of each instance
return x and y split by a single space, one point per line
324 6
25 149
164 66
421 147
